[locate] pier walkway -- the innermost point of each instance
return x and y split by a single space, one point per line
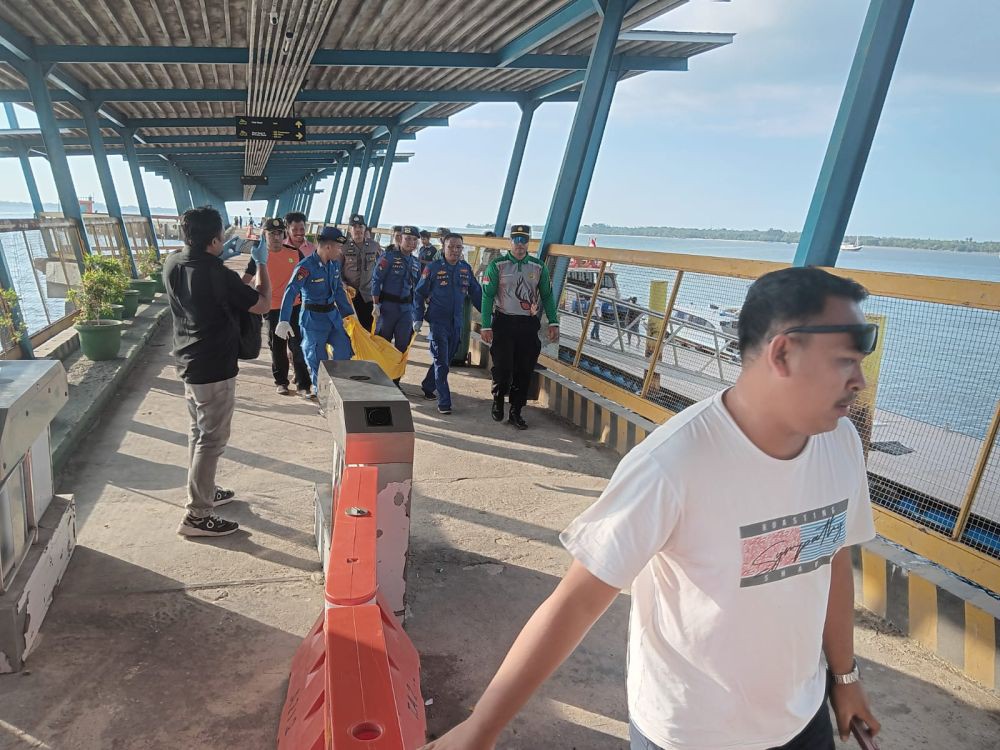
155 642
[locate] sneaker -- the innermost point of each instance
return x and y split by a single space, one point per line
282 390
430 396
223 497
208 526
497 411
516 420
444 409
310 396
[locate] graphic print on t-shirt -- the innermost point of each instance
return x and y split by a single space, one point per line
792 545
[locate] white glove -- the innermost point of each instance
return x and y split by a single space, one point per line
284 330
376 310
417 325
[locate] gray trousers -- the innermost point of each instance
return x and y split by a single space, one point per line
210 406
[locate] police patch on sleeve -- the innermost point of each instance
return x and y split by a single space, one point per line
302 274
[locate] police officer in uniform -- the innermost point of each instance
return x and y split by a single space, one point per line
360 256
515 286
324 301
393 281
427 253
443 288
397 238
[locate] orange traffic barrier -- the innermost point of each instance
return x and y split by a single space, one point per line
355 680
351 570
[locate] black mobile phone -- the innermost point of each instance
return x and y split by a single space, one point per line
863 736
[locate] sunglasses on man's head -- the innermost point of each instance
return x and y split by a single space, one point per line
864 335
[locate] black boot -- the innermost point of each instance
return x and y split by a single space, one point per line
497 411
515 418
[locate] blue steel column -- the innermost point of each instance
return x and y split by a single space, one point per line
853 132
334 189
585 122
104 176
363 176
177 186
376 174
140 188
272 204
56 152
352 162
311 187
383 178
22 155
516 157
590 158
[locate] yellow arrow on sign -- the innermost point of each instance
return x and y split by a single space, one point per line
298 123
298 136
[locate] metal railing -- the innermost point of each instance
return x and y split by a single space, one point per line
41 256
656 332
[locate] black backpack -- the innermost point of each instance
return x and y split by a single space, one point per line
250 329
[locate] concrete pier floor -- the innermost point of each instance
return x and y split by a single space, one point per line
156 642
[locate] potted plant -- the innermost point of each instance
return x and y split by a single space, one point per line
151 267
100 335
12 328
126 302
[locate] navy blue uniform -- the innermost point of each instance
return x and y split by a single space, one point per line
324 306
393 281
442 290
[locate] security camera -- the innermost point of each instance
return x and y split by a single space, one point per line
274 12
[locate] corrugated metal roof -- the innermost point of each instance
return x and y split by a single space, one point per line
456 26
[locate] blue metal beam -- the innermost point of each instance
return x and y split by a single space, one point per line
590 157
573 172
180 199
376 172
272 204
369 147
544 31
306 95
140 188
515 55
107 182
516 158
334 190
35 77
375 212
227 122
853 132
29 176
25 52
351 164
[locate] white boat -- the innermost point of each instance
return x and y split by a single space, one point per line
709 330
850 247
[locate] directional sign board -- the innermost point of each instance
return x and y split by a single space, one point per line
249 179
271 129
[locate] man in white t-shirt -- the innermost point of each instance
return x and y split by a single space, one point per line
732 524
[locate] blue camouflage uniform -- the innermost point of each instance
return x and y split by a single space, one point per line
324 306
427 255
393 280
443 289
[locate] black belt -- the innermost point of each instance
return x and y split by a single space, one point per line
386 297
321 308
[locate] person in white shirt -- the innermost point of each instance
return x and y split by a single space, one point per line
731 523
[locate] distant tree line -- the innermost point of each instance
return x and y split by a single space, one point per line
968 245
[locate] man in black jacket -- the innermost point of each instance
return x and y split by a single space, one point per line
206 300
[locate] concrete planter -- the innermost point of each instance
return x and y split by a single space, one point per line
100 339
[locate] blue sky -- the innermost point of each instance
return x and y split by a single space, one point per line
737 141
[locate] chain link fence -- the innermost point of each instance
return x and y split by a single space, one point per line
663 328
